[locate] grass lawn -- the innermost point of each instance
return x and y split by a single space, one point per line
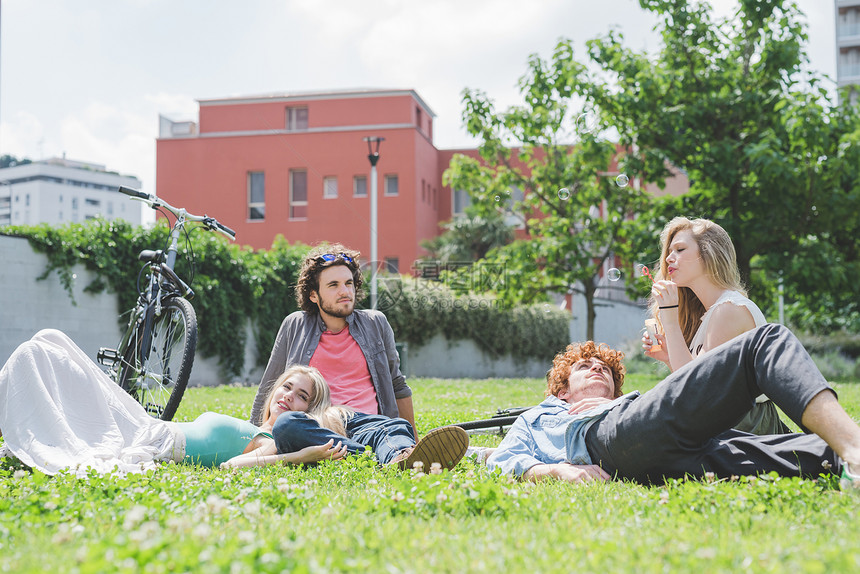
353 516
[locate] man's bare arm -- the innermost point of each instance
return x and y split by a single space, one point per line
404 406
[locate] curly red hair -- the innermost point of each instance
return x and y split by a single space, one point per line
557 376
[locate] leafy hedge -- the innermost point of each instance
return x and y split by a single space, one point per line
234 284
419 309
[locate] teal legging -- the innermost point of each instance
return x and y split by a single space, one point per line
213 438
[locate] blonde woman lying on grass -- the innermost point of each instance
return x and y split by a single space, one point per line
59 410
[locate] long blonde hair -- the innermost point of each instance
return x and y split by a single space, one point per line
719 259
319 405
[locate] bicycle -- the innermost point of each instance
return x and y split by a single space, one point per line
155 354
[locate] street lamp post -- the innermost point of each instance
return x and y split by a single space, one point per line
373 155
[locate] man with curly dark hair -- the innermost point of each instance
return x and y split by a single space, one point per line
354 349
587 430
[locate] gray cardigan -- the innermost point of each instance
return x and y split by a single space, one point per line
299 336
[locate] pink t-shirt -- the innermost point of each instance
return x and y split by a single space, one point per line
340 360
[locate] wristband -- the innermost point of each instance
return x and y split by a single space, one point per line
668 307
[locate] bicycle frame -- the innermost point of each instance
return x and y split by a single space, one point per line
164 293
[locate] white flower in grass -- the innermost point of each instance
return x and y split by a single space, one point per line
134 517
19 473
253 510
215 504
436 468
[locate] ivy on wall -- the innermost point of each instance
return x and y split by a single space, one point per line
234 284
231 284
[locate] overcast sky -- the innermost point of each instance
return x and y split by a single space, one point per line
89 78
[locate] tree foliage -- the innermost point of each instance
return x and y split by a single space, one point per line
544 162
769 156
468 239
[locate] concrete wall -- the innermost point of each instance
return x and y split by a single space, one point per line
618 323
28 305
463 359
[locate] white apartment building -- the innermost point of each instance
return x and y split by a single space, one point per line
58 191
848 46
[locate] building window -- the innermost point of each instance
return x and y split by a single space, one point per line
92 202
297 119
110 208
392 264
330 187
391 185
256 195
74 203
418 117
359 186
461 201
298 194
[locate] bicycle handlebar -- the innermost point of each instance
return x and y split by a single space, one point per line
209 222
134 193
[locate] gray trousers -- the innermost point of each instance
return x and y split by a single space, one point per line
683 425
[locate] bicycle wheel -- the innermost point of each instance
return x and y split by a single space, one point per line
156 373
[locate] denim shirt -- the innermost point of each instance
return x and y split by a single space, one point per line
299 336
547 434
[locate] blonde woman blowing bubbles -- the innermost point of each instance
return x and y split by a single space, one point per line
698 299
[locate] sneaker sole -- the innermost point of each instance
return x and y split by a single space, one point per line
445 445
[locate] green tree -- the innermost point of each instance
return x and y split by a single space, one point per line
469 238
7 160
768 155
574 216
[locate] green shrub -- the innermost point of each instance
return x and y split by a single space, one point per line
419 309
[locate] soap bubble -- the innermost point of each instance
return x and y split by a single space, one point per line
622 180
613 274
546 308
564 194
498 198
586 122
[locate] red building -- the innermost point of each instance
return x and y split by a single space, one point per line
297 165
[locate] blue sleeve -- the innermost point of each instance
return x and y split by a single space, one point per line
516 453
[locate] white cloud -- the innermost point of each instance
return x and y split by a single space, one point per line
121 139
22 135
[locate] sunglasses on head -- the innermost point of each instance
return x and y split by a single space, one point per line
329 257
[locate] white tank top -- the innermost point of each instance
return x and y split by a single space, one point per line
735 298
726 297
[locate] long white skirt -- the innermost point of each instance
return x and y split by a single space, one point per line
59 410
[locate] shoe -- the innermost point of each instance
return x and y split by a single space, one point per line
849 481
444 445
